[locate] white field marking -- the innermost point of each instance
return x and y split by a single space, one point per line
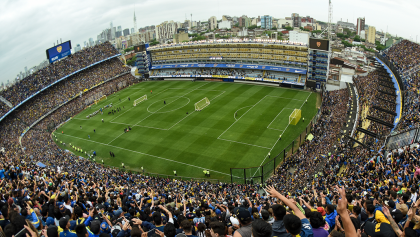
275 119
194 111
169 103
130 96
281 134
115 138
138 152
244 143
109 97
180 120
241 117
133 106
80 119
284 97
234 115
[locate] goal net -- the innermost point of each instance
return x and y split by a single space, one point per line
295 117
139 100
201 104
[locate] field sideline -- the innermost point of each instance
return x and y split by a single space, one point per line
239 128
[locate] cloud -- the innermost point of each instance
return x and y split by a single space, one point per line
30 27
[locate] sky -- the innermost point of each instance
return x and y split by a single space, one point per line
31 27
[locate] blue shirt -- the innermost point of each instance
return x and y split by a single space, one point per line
306 229
67 233
2 174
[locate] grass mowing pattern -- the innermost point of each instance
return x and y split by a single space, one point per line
238 129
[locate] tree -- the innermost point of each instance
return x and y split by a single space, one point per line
154 42
341 36
252 27
236 25
289 28
274 28
198 38
346 44
128 49
357 38
131 61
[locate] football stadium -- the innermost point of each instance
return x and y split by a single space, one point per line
235 136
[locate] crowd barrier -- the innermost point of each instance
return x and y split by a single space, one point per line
261 173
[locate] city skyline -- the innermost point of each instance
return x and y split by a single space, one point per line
33 27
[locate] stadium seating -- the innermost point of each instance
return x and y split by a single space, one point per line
405 56
48 75
325 177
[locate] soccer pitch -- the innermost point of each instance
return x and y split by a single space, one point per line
238 129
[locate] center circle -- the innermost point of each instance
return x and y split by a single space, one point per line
172 104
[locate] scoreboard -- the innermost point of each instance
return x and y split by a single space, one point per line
60 51
319 44
139 48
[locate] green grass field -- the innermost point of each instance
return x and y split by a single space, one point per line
238 129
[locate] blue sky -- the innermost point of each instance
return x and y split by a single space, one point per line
30 27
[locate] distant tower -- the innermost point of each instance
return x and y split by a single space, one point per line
329 19
135 22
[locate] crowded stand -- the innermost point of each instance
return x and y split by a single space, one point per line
327 188
370 95
228 72
53 72
405 56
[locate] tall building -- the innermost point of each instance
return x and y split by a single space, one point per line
77 48
371 35
244 21
91 42
296 20
166 30
135 23
181 36
132 30
360 25
212 23
119 28
266 22
126 32
118 34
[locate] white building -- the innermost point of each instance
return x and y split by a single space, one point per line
284 22
166 30
212 23
225 25
301 37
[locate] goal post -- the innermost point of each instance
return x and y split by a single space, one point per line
139 100
295 116
201 104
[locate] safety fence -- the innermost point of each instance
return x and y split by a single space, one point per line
261 173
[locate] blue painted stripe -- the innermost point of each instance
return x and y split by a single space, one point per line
398 89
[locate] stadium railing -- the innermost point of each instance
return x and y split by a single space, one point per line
261 173
149 174
402 139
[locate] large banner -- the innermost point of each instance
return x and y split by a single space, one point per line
236 66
